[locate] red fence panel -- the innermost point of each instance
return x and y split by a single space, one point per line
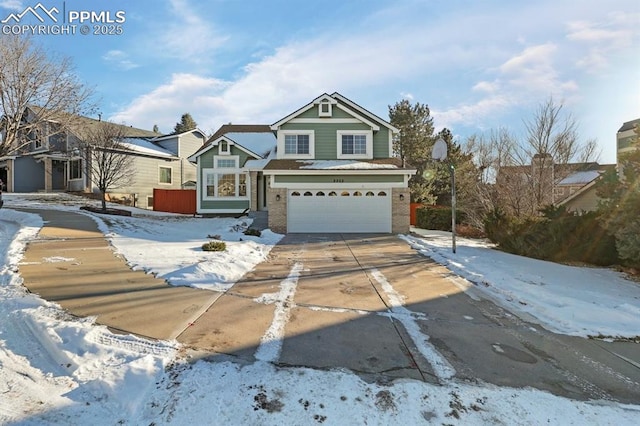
413 213
174 200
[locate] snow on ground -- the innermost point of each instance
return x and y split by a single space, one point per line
57 369
565 299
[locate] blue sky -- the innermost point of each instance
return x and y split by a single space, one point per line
479 65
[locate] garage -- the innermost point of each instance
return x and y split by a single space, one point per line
339 210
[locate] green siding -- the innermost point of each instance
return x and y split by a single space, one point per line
335 113
225 204
206 159
326 134
338 178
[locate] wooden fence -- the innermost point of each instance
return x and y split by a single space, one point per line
174 200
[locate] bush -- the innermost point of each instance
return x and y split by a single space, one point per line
562 238
214 246
437 217
252 231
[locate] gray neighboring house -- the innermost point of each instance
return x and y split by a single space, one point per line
50 161
326 167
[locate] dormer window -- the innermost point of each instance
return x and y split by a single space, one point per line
324 108
223 148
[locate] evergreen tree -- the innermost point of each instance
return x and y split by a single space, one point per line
186 123
414 143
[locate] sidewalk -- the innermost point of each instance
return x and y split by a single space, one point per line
72 264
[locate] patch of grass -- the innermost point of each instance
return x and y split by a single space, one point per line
214 246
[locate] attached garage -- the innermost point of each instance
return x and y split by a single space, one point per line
339 210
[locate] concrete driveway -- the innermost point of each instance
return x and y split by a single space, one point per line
367 303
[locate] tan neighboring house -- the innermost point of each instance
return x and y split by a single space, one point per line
50 160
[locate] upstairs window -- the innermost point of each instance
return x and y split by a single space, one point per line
223 148
324 109
226 163
296 144
164 175
355 144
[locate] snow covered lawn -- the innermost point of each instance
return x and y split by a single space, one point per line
56 369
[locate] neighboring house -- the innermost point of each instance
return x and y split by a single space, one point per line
327 167
51 160
571 184
626 138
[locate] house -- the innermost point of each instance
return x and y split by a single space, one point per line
50 159
571 185
326 167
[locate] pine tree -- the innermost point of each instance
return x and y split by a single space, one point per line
186 123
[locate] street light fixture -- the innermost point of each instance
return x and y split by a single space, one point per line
439 153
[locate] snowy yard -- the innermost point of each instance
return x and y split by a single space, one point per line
58 369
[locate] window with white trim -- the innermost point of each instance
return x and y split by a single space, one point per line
226 179
355 144
223 147
296 144
324 108
164 175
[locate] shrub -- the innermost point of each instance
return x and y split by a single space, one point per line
252 231
562 238
214 246
437 217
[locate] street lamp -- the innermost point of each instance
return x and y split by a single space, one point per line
439 153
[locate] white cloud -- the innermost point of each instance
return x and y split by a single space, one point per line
189 36
120 59
12 5
164 106
601 37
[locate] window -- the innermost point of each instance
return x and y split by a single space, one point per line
319 194
296 144
75 169
324 109
355 144
295 194
164 175
230 183
226 163
344 194
223 148
370 194
382 194
357 194
226 185
332 194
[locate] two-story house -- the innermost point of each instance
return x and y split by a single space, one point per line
52 159
326 167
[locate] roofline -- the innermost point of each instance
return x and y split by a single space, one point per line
365 111
212 144
582 190
171 135
339 171
299 111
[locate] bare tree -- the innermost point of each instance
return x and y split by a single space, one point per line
519 175
110 164
39 93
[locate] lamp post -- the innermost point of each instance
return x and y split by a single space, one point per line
439 153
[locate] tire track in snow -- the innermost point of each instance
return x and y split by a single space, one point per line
441 367
271 341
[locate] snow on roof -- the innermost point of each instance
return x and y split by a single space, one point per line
144 146
259 164
580 178
260 143
343 165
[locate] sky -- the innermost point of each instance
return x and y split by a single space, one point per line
478 65
62 369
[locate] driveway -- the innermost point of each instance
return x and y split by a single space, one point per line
373 305
367 303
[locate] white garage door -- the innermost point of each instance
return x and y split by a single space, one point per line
344 210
